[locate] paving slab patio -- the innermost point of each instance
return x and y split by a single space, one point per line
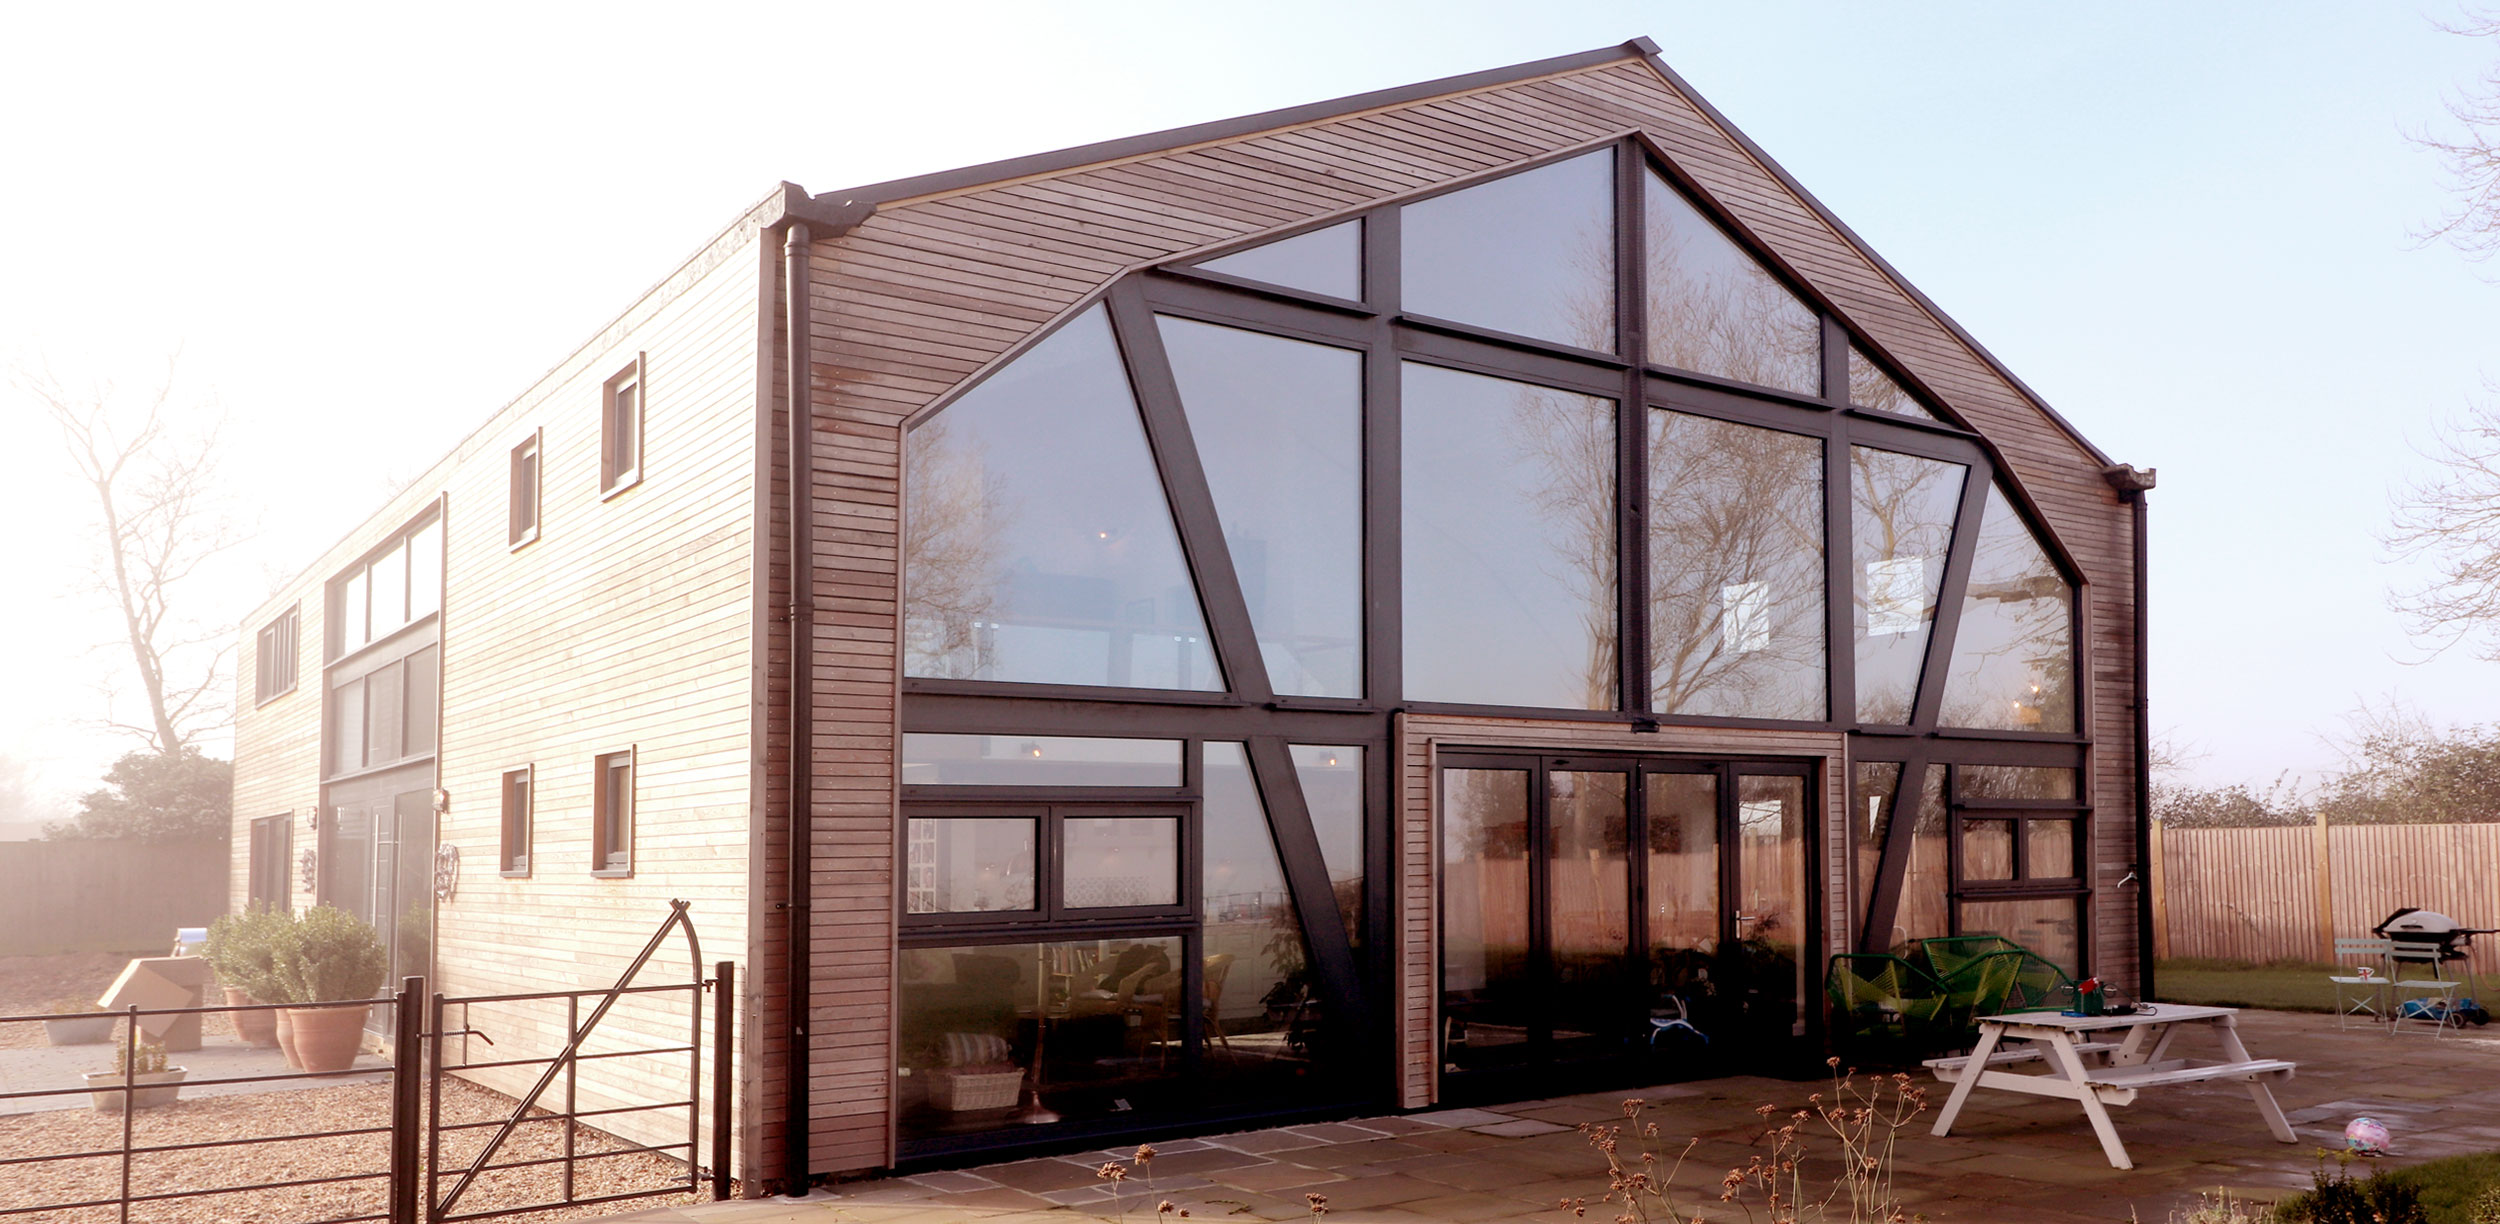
63 1069
2009 1159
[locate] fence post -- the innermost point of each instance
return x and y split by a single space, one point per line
407 1075
2157 877
724 1031
2326 896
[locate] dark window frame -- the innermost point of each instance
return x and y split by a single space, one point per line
1051 816
527 499
613 813
277 656
622 456
335 650
519 793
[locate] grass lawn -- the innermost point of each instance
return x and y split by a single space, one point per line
2277 985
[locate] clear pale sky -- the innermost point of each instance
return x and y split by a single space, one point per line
364 230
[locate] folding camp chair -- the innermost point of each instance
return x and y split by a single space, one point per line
2422 995
2364 993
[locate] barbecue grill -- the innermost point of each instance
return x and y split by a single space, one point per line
2424 930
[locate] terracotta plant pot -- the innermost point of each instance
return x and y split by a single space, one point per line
284 1034
327 1038
148 1088
79 1030
257 1027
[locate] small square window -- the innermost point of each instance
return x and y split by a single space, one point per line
525 491
620 429
515 860
273 659
612 817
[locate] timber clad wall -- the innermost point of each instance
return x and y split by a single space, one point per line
627 625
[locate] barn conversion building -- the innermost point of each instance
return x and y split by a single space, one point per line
1360 606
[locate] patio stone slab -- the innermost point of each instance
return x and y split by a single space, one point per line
1520 1129
1458 1118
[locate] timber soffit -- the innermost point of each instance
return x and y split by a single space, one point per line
858 203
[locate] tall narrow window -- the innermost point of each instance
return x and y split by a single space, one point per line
515 859
1736 619
273 839
525 491
612 824
273 658
620 429
1901 523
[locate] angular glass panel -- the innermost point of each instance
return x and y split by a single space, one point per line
1714 309
1279 427
1871 798
1684 896
1532 254
1509 542
1038 760
968 866
2014 782
2049 849
1736 612
1085 1029
1923 912
425 570
1111 862
2014 654
1489 992
1328 261
1037 546
1264 1013
2049 926
1870 387
1332 787
1987 849
1901 525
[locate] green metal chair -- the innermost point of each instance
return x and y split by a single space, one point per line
1979 988
1884 1007
1947 955
2040 986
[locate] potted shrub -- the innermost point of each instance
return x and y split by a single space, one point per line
241 949
75 1027
329 957
151 1082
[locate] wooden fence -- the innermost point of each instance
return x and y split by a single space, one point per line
106 896
2287 893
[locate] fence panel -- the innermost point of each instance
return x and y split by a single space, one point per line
2255 894
106 896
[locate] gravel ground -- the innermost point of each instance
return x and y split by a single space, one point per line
275 1114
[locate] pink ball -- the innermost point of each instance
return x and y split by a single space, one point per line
2367 1136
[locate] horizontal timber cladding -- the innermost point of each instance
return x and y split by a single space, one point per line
1421 737
947 277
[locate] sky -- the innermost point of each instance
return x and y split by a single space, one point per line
357 231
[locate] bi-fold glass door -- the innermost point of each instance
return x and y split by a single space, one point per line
1596 908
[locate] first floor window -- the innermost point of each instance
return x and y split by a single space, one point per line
524 515
273 842
273 658
515 860
612 821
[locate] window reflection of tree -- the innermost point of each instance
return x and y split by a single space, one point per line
1568 440
1714 309
1732 505
2012 664
1903 508
951 545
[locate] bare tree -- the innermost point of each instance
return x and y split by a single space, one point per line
2471 156
157 523
2452 520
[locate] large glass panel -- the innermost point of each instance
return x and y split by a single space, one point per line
1870 387
1264 1012
354 606
1871 797
931 759
1509 542
1774 830
1714 309
425 570
390 590
1926 881
412 920
1328 261
1037 545
2049 849
1987 850
2013 782
962 865
1011 1035
384 710
1683 814
2049 926
1115 862
1279 427
1332 787
1488 997
425 702
1901 526
1532 254
1736 610
347 727
1587 905
2013 655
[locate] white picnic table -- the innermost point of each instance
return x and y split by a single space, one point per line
2100 1061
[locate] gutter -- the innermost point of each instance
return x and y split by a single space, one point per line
802 621
2132 485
